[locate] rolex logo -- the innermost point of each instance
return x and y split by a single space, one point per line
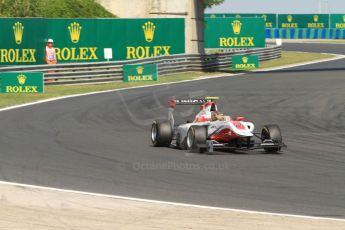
236 26
18 30
21 79
213 16
149 31
289 18
245 60
140 70
264 17
238 16
316 18
74 31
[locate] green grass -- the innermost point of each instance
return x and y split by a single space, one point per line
290 57
57 91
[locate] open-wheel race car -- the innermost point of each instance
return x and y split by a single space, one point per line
211 130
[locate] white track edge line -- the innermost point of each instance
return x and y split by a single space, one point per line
166 202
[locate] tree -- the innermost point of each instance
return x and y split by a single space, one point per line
210 3
18 8
53 9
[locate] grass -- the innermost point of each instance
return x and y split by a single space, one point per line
57 91
290 57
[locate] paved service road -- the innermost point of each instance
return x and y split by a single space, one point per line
101 143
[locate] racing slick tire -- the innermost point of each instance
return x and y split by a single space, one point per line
196 139
161 134
273 133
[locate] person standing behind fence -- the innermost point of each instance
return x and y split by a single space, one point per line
50 53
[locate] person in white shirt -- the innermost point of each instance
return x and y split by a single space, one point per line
50 53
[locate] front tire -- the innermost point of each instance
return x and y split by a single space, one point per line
272 132
196 140
161 134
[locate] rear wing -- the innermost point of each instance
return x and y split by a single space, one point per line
173 102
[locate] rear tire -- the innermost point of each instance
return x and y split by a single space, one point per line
161 134
196 140
272 132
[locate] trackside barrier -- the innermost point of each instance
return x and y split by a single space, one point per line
294 33
103 72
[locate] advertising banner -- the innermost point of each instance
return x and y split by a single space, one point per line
21 82
311 21
23 40
270 19
85 39
242 62
140 72
338 21
234 33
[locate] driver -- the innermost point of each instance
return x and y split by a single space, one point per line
217 116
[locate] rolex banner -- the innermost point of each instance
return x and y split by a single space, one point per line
338 21
22 40
234 33
21 82
140 72
312 21
241 62
293 21
270 19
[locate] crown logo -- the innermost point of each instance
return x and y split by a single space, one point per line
74 31
21 79
149 31
213 16
140 70
264 17
18 30
245 60
238 16
316 18
236 26
289 18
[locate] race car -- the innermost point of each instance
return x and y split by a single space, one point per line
212 130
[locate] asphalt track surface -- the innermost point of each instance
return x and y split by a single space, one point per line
101 143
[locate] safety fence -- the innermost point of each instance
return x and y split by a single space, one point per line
293 33
103 72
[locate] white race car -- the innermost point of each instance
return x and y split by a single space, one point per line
212 130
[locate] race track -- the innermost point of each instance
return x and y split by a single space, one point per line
101 143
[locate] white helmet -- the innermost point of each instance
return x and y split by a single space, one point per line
50 40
